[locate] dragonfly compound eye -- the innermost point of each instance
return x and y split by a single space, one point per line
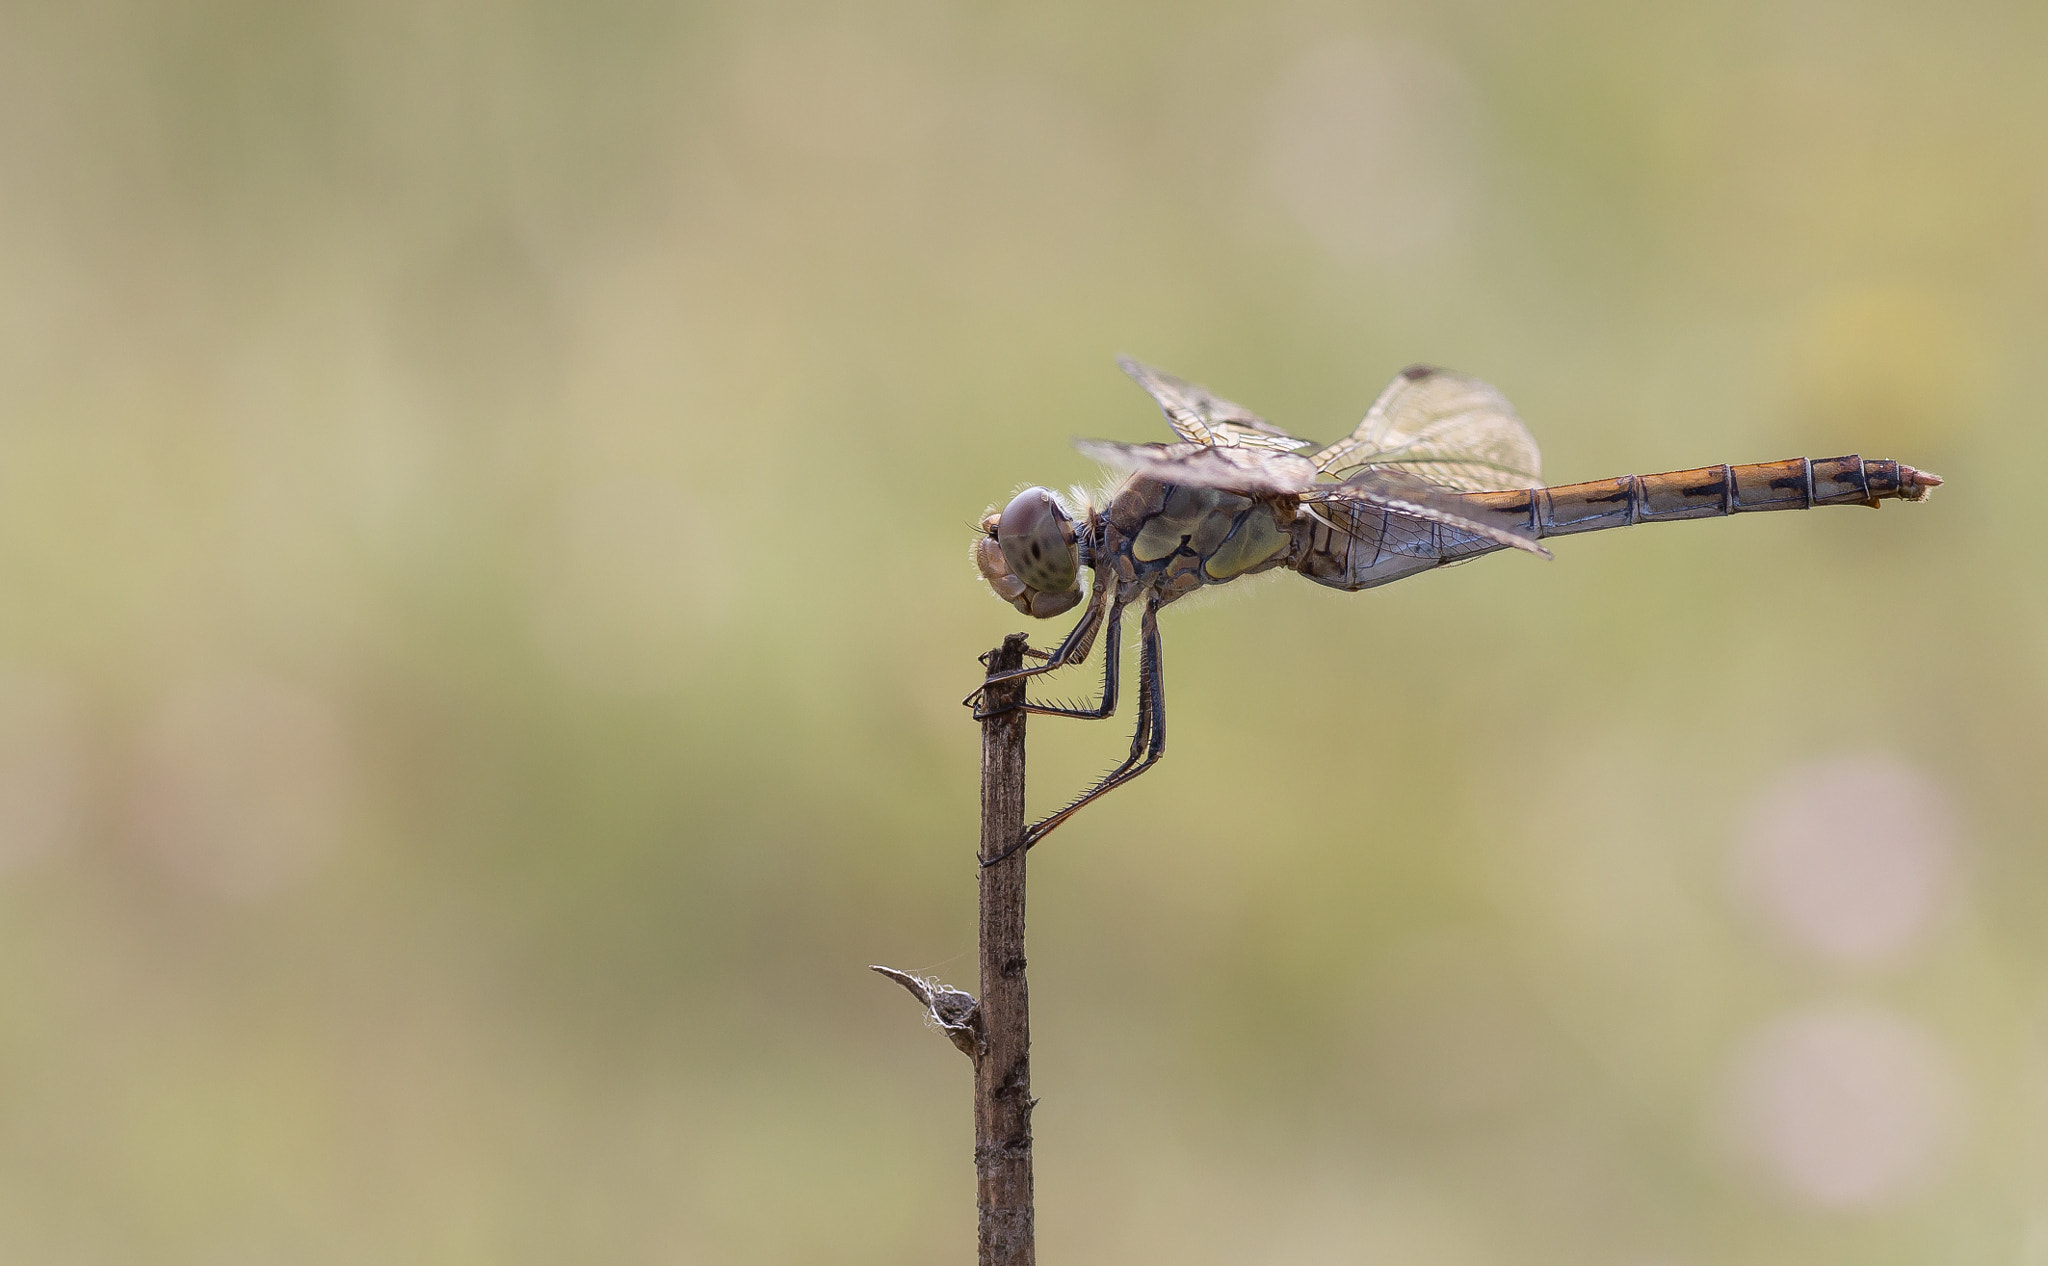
1037 541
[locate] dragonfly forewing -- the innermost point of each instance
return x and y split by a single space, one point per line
1201 417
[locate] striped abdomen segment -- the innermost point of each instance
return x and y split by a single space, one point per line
1710 492
1351 545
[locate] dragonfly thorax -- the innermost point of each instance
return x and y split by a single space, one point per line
1030 555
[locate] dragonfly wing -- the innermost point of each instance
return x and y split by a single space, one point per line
1201 418
1449 429
1418 498
1248 470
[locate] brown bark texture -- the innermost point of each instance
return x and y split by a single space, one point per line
995 1031
1002 1072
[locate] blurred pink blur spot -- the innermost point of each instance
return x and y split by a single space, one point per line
1845 1107
1850 857
242 785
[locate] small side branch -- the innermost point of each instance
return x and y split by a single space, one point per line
956 1014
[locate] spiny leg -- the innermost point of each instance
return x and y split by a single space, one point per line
1112 658
1148 742
1073 649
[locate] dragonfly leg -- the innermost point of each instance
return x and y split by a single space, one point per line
1112 657
1148 742
1073 649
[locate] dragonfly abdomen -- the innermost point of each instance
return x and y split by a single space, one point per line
1710 492
1353 546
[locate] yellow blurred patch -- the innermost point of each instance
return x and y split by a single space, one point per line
1883 368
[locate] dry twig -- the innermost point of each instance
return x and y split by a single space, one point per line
996 1031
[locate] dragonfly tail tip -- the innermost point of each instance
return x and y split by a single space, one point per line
1914 485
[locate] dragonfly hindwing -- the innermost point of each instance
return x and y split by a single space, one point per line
1454 431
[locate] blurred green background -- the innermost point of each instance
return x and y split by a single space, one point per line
485 493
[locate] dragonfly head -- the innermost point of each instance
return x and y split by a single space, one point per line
1029 555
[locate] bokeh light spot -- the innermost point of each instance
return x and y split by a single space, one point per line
1844 1107
1850 857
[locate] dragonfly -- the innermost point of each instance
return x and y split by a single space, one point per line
1440 471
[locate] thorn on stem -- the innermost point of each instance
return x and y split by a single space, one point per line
954 1011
